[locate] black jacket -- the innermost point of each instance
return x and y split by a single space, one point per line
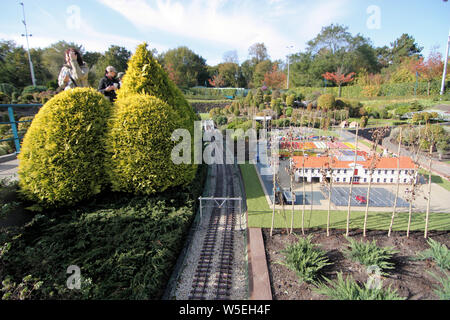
105 82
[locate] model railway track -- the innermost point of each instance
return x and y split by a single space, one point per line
217 253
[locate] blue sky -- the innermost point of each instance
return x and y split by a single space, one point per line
212 27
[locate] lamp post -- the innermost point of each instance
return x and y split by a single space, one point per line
33 79
288 47
445 65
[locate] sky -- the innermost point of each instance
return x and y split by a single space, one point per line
212 27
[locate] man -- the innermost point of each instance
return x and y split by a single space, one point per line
109 84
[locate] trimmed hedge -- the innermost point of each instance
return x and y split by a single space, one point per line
146 76
387 89
139 144
62 155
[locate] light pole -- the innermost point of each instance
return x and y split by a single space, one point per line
288 47
445 65
33 79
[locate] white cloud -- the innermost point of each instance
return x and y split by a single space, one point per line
234 25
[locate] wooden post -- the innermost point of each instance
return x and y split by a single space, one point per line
429 193
398 183
351 183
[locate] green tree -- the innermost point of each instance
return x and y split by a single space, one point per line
260 70
188 67
115 56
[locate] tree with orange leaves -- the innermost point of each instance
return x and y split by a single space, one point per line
339 78
429 69
275 79
217 81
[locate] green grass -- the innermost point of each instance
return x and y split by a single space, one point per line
260 214
205 116
444 183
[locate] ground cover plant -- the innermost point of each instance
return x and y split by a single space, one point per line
369 254
305 258
349 289
411 279
125 246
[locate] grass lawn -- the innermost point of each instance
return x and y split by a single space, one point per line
204 116
444 183
260 214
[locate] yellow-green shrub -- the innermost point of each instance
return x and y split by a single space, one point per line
62 154
326 102
139 146
146 76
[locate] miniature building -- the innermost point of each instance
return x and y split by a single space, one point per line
385 170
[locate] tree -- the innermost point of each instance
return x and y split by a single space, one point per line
229 72
430 69
260 71
217 81
231 56
331 38
115 56
339 78
405 46
275 78
14 66
258 53
187 67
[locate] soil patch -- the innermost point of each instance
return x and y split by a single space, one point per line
410 277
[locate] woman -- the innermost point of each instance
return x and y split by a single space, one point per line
75 72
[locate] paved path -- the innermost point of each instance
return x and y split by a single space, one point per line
8 169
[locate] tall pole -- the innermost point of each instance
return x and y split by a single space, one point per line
288 62
445 65
33 79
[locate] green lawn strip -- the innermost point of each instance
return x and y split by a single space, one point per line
260 214
444 183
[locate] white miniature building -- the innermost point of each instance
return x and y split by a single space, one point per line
385 170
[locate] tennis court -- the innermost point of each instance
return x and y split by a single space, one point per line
379 197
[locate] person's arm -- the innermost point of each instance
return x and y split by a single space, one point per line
79 74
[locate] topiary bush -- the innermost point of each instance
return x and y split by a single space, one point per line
326 102
62 155
146 76
139 144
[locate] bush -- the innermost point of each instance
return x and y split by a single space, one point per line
146 76
139 143
62 155
348 289
290 100
305 259
33 89
438 252
369 254
4 98
288 112
326 102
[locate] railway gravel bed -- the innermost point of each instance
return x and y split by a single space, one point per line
215 264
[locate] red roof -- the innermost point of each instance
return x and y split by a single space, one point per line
382 163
